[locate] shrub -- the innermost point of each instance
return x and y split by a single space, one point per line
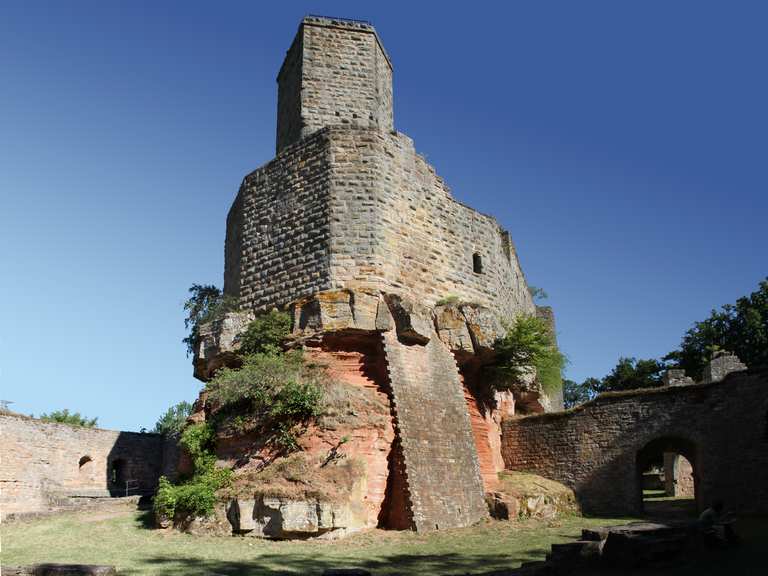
67 417
279 392
450 299
529 343
173 420
266 333
197 495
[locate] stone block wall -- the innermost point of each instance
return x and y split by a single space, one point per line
278 229
442 472
395 227
42 462
601 448
359 209
335 73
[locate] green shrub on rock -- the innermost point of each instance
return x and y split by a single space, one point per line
266 333
528 343
195 496
278 393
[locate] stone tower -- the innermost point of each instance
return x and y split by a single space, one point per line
336 73
390 280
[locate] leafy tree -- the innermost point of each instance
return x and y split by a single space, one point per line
741 328
529 343
266 333
631 374
575 393
174 419
71 418
205 304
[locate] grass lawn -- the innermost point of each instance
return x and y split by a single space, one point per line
123 540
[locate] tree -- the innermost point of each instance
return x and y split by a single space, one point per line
174 419
741 328
529 343
632 374
575 393
205 304
67 417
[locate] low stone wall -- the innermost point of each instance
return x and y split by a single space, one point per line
44 462
601 448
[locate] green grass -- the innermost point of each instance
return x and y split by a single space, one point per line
125 541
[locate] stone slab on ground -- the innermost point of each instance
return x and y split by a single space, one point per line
59 570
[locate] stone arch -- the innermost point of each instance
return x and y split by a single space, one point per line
654 451
85 469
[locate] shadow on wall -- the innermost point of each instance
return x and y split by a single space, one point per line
134 464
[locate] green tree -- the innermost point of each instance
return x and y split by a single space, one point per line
529 343
206 303
575 393
741 328
71 418
172 422
632 374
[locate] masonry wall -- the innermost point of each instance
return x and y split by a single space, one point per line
396 227
42 462
598 449
442 471
278 229
335 73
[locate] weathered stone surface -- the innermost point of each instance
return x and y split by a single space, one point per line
722 364
277 517
485 326
335 311
452 328
218 343
412 322
676 377
502 506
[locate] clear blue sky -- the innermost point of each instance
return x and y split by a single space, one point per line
623 144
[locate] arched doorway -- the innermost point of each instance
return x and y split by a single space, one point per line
85 471
667 478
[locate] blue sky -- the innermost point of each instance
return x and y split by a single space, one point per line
622 144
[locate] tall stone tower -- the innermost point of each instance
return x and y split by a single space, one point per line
353 232
336 73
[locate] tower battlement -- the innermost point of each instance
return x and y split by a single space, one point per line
336 73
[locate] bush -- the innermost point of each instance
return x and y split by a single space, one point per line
451 299
529 343
71 418
173 420
279 392
197 495
266 333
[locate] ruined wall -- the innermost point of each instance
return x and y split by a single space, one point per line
598 449
678 476
441 467
278 228
335 73
395 227
44 461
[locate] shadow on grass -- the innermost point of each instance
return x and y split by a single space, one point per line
288 564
